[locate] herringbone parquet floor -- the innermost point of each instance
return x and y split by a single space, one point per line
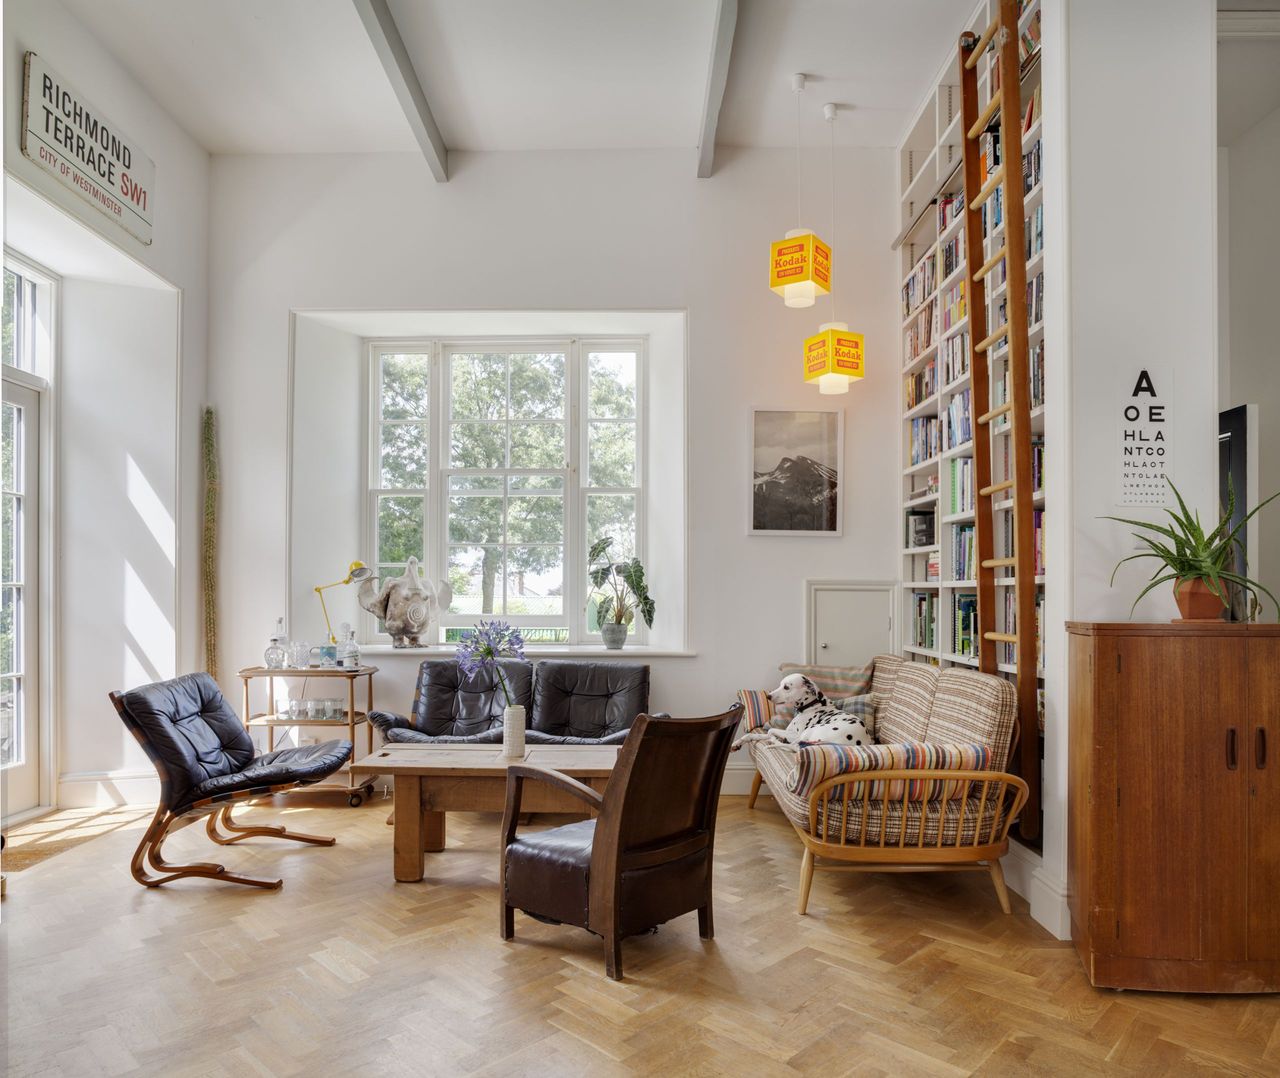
344 971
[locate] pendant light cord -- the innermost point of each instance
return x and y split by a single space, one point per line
799 91
831 123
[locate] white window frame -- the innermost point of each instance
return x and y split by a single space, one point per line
44 330
435 494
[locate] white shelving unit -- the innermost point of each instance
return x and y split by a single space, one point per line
929 165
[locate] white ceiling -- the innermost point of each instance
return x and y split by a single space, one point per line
876 59
300 76
256 76
1248 85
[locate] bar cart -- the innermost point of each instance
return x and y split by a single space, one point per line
271 719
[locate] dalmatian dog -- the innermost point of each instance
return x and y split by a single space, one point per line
817 720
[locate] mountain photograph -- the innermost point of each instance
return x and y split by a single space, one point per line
796 473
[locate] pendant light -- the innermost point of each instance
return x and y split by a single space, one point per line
833 357
800 264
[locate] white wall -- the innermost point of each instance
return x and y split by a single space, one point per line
160 424
1253 367
566 231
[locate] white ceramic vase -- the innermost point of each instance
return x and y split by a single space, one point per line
513 732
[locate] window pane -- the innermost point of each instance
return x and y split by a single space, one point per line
12 434
537 518
517 483
535 581
10 606
405 384
611 455
614 515
404 455
478 386
478 445
612 384
475 519
473 573
10 722
10 318
476 482
10 538
537 445
537 386
400 528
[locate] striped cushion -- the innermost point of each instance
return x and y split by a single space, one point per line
757 708
884 673
969 706
817 763
834 681
905 715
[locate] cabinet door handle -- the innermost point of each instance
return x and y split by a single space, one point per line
1231 749
1260 748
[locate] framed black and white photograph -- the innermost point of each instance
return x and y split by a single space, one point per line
795 472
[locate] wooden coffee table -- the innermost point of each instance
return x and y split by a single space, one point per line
430 781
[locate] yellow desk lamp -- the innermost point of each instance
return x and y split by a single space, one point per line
357 570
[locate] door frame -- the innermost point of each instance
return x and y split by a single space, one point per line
811 589
46 590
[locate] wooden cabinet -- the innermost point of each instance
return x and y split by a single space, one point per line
1174 813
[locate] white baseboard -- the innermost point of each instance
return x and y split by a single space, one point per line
1025 873
737 776
90 789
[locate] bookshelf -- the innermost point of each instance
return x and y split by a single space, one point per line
937 406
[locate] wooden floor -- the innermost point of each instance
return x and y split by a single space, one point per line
346 972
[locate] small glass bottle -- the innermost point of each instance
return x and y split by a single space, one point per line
348 649
275 654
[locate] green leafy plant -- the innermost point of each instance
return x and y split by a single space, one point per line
1186 553
621 585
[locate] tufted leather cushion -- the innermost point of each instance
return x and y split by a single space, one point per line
449 705
190 731
577 702
407 735
310 763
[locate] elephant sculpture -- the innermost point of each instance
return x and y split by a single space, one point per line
406 604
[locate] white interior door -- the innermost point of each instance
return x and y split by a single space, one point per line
20 763
849 622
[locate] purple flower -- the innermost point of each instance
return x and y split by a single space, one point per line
481 648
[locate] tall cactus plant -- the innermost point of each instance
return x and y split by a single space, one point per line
209 541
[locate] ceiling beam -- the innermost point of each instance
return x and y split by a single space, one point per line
717 77
387 43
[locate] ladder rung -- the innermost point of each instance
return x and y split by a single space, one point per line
996 563
1001 638
992 183
991 263
995 412
983 42
987 342
996 488
980 124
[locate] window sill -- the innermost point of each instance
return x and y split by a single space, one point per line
541 651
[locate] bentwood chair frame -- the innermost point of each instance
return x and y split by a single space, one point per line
215 810
1000 798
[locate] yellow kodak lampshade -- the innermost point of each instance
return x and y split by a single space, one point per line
833 357
800 268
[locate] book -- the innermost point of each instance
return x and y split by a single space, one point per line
921 385
953 304
926 439
921 332
920 528
954 352
959 420
963 553
964 624
962 488
924 619
920 284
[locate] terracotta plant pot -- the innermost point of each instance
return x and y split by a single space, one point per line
1196 602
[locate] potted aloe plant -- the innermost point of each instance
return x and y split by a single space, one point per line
623 590
1200 566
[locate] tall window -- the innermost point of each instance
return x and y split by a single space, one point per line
19 321
496 466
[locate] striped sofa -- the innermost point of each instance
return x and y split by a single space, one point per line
931 796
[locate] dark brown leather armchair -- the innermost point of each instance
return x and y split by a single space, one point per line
646 858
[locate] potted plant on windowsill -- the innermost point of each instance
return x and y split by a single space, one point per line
624 592
1200 566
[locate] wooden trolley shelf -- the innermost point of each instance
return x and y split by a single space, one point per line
357 789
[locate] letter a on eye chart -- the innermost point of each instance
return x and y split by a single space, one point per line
1144 409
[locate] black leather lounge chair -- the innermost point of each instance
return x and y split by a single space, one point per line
207 763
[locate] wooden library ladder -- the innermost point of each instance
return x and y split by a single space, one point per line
1006 102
